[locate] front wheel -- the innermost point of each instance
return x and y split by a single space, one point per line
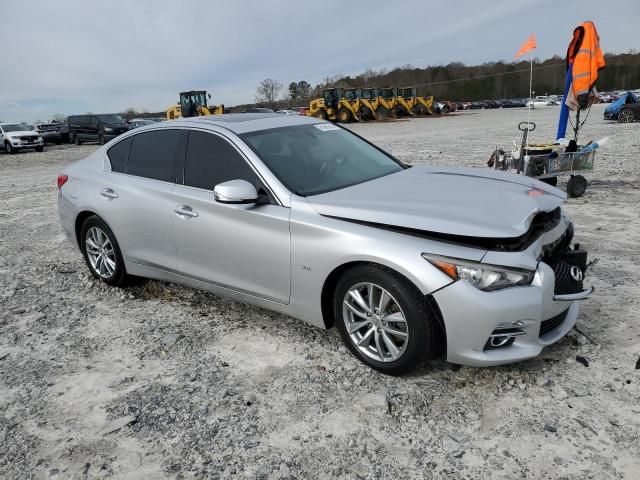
321 115
101 139
384 320
39 149
76 140
10 149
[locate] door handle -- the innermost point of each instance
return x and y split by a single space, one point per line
108 193
185 211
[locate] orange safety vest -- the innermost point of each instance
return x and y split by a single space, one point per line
586 59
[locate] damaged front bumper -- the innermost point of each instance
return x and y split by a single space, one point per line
505 326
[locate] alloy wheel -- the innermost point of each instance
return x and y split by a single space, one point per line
626 116
100 252
375 322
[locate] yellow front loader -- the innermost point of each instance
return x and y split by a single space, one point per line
364 106
382 107
400 105
418 105
193 104
333 106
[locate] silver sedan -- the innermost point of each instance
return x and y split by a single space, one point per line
306 218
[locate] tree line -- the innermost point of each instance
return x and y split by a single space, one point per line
456 81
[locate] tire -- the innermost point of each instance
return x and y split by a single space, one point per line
553 181
344 115
9 148
75 139
576 186
39 149
321 115
101 139
419 109
94 228
422 336
626 115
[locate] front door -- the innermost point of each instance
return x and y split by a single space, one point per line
242 247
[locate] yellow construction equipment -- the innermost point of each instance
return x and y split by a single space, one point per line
399 104
333 106
365 108
382 108
193 104
418 105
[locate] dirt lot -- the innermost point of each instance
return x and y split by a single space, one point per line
160 381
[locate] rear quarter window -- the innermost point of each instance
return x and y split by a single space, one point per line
119 154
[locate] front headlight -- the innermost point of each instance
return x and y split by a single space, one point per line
108 130
483 277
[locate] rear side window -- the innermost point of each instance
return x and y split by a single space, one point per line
212 160
118 155
153 155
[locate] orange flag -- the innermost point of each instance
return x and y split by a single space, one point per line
530 44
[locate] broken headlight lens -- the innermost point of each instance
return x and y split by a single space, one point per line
483 277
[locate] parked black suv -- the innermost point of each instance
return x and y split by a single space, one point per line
95 128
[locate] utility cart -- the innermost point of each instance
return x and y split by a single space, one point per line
547 162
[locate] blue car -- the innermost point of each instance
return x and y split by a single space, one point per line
612 110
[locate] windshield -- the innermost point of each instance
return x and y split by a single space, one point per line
313 159
14 127
111 119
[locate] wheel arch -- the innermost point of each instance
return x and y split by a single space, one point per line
80 219
331 282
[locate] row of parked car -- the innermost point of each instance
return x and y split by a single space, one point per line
77 129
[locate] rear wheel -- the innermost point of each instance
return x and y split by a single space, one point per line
344 115
576 186
101 252
384 320
101 139
626 115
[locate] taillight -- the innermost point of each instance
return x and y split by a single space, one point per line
62 179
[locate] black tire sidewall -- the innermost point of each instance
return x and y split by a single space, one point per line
120 274
419 323
576 186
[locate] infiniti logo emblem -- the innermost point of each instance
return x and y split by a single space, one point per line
576 274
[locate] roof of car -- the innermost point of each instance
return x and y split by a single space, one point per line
251 122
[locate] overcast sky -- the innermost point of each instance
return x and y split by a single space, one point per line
68 56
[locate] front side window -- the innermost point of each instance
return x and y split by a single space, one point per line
111 119
153 155
317 158
211 160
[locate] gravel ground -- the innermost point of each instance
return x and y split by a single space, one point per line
159 381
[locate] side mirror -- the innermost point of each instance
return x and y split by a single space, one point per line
235 192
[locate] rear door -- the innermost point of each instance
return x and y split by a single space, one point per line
242 247
135 197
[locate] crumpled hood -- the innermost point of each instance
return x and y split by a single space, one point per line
472 202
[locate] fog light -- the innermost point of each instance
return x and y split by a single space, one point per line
504 335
